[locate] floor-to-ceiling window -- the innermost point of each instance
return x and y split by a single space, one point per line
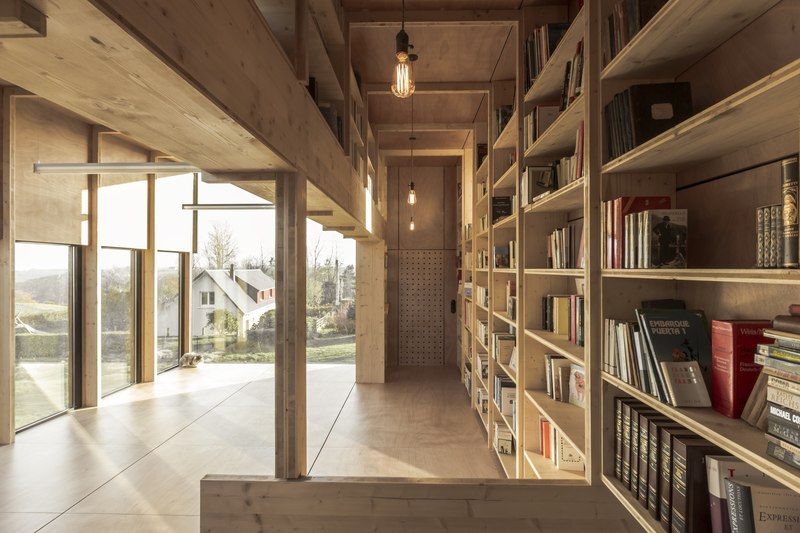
119 305
43 325
168 309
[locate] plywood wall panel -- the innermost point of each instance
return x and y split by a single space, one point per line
50 208
428 233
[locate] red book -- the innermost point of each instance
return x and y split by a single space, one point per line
626 205
733 372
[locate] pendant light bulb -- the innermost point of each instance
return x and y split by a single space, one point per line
412 194
411 225
403 81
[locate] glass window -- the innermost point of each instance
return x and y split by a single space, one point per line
118 306
207 298
43 330
168 317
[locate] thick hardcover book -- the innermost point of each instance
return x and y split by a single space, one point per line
685 384
676 335
654 451
618 437
759 237
665 483
627 417
733 371
666 235
577 386
757 403
762 506
691 508
502 206
636 413
719 467
782 454
777 235
654 108
624 206
646 421
787 323
789 194
767 233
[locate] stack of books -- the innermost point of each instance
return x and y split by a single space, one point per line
688 483
563 314
554 446
503 439
777 224
483 259
504 344
482 296
565 247
565 381
538 48
483 332
483 400
666 353
626 19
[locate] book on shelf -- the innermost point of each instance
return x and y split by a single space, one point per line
483 189
483 259
483 332
685 384
761 505
691 506
482 150
663 238
769 236
577 386
503 439
538 181
539 45
733 370
537 121
718 468
502 207
636 413
505 392
554 377
622 24
503 116
503 346
565 246
783 451
783 423
789 194
620 228
501 257
482 296
557 448
640 487
467 289
483 365
483 400
641 112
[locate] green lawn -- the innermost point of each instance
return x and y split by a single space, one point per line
337 353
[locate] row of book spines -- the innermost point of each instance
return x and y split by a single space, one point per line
626 19
654 457
565 247
540 44
555 447
505 256
769 236
560 380
564 315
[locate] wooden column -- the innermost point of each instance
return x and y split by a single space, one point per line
290 326
91 378
148 366
186 302
7 341
370 316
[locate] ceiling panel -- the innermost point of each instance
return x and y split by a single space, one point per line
388 109
384 5
425 140
426 161
446 53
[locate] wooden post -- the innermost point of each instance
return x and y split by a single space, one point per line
290 326
370 317
301 40
91 379
7 341
186 302
149 365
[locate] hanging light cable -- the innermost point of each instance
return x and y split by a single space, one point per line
403 80
412 194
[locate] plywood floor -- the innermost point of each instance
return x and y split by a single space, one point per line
135 463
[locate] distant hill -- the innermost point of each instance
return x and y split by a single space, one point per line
43 286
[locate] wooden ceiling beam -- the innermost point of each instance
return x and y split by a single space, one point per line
421 152
20 19
432 126
378 19
466 87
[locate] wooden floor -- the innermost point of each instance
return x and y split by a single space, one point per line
135 463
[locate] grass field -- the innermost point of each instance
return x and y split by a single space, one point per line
336 353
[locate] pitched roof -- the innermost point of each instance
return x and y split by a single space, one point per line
235 292
256 279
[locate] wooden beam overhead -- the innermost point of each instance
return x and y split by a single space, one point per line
468 87
432 126
20 19
422 152
320 213
233 177
377 19
338 228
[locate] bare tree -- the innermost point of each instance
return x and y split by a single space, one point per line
316 252
220 247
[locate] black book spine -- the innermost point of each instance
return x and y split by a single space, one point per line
634 480
782 430
773 236
618 438
777 228
789 193
544 313
626 445
759 237
784 455
644 463
740 507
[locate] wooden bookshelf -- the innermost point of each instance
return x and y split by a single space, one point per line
509 463
567 198
714 275
500 416
567 418
543 468
502 315
506 222
547 86
567 272
510 372
650 524
558 344
559 139
508 137
508 179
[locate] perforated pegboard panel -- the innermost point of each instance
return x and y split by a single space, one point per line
421 307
